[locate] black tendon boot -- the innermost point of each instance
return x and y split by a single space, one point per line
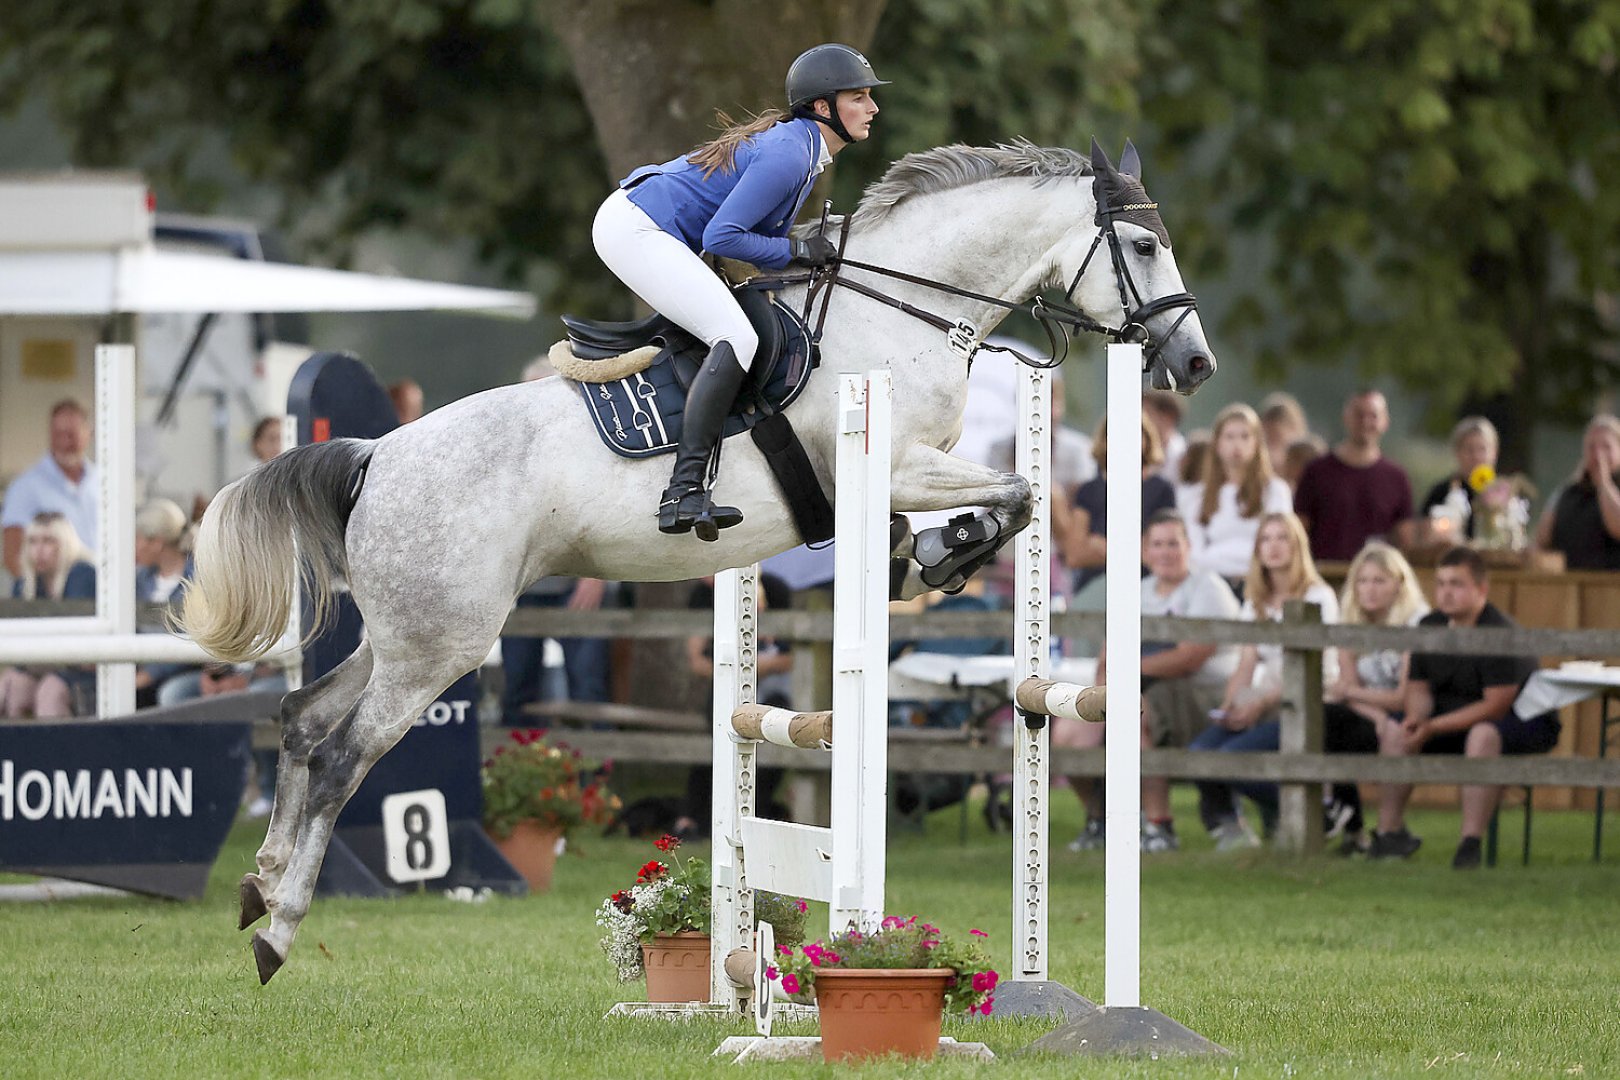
685 505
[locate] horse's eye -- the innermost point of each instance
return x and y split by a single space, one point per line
1144 248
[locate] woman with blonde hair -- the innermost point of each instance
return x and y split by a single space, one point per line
1081 531
1280 570
163 538
1380 589
1223 509
56 566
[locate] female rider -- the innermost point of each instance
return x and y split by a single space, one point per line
735 197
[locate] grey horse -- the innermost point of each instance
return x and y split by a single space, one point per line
462 509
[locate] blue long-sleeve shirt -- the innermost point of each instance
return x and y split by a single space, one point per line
745 212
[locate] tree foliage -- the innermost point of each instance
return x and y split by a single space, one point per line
1430 184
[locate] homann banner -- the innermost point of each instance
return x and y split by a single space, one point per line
138 805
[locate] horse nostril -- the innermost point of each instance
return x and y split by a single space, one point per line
1199 366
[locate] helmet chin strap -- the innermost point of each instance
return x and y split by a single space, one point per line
832 120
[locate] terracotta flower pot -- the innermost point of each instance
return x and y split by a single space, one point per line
869 1012
677 967
532 851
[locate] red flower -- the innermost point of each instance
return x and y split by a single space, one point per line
622 900
651 872
984 980
802 906
667 843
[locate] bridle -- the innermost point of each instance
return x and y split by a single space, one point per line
1057 318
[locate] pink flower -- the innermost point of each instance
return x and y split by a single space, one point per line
802 906
771 973
978 933
892 921
989 1003
985 980
928 944
790 983
831 957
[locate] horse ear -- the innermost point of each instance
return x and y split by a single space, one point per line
1099 159
1130 162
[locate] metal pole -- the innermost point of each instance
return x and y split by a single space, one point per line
1122 891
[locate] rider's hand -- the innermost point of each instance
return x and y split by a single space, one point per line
814 250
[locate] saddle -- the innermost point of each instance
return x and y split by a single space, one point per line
633 376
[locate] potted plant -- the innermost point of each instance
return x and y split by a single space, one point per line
535 794
659 927
884 992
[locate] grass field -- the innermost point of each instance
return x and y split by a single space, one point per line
1320 968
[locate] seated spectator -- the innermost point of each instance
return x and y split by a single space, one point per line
64 482
1355 494
1223 509
1165 410
1300 453
1447 514
1246 719
1282 420
1183 681
55 566
1379 590
1459 705
266 442
162 565
773 666
1082 529
1582 519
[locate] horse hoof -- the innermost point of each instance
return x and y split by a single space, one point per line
251 892
265 956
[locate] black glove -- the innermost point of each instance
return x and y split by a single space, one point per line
815 250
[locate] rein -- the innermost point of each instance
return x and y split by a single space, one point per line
1057 318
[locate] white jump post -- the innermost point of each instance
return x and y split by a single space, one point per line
1122 1025
842 865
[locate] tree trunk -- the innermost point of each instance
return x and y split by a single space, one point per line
652 75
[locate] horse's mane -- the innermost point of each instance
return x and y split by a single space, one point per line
947 167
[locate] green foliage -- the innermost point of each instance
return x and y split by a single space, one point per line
897 943
552 786
1427 181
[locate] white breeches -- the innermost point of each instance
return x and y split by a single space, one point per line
670 277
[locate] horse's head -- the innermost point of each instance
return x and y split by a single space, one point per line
1138 286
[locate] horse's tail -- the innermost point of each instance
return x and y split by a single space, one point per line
293 510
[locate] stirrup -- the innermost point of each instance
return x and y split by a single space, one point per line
694 511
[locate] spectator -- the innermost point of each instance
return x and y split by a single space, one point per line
1300 453
266 438
1447 514
1354 494
773 666
406 395
162 565
1379 590
1582 519
1073 463
64 482
1223 509
1459 705
1283 422
55 565
1183 680
1246 720
1082 529
1165 411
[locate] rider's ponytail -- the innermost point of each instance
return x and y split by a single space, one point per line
721 151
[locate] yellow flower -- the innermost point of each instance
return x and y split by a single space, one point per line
1481 477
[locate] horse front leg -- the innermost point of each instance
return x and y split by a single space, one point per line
926 478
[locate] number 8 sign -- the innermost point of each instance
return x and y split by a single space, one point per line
416 833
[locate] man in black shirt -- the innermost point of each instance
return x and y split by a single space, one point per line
1459 705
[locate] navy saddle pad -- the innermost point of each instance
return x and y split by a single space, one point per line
640 415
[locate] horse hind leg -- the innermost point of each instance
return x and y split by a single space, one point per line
308 715
393 698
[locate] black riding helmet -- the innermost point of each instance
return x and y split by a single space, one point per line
819 73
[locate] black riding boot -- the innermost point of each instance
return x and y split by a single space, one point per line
686 505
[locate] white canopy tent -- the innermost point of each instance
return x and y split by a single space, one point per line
149 280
